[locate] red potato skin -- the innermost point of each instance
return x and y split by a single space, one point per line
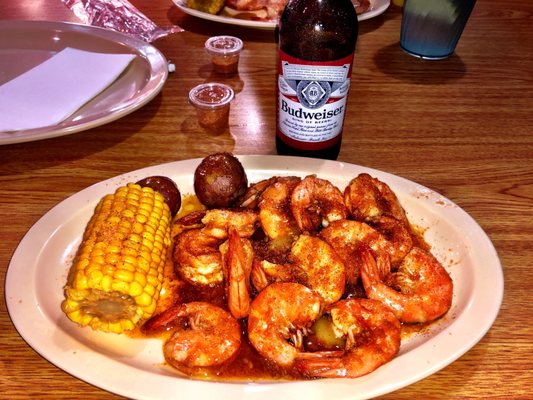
219 180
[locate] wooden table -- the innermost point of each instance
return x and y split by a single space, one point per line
462 126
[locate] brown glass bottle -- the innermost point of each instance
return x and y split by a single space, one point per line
316 45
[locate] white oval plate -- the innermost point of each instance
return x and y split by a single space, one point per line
135 367
31 42
227 15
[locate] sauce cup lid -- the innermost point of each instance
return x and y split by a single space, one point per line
211 95
223 45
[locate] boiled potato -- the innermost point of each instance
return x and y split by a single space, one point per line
219 180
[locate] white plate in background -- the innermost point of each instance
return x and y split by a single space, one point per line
227 15
32 42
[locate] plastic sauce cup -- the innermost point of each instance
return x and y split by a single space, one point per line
212 103
224 52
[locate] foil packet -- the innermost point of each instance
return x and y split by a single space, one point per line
120 16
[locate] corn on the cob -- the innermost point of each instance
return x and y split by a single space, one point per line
207 6
116 278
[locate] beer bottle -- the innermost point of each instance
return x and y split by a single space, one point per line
316 46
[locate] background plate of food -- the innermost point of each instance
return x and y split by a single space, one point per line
261 14
135 367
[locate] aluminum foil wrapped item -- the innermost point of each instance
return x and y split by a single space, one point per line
118 15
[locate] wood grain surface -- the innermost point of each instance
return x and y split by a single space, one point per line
461 126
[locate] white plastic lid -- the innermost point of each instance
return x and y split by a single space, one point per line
223 45
211 95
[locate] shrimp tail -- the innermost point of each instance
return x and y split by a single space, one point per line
161 322
383 265
321 364
259 276
239 276
372 271
193 218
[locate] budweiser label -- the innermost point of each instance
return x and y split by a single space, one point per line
312 99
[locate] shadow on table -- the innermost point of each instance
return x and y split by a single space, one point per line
393 61
200 141
206 72
41 154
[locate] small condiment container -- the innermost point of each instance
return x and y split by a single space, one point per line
212 103
224 52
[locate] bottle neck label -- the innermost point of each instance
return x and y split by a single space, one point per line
312 100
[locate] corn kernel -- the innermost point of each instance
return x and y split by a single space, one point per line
70 306
114 327
147 206
152 280
126 325
98 259
113 247
149 289
86 319
149 309
83 263
120 286
130 259
75 315
106 283
108 269
142 264
95 277
113 220
140 278
145 213
112 258
135 289
124 275
144 299
127 267
145 254
128 214
81 280
130 244
136 229
128 251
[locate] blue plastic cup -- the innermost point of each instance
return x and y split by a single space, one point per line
432 28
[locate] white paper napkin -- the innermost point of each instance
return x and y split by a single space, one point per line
50 92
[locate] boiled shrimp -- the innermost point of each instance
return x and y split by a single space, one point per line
420 290
372 335
280 316
312 262
397 234
217 222
237 259
197 258
196 252
348 237
317 265
251 197
367 199
315 203
204 336
275 213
